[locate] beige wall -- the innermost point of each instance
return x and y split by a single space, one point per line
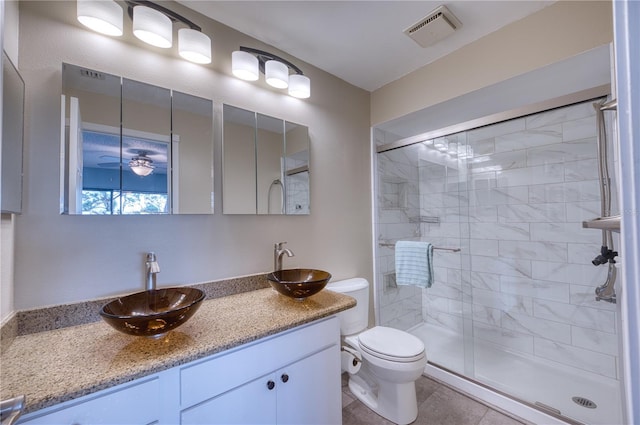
552 34
63 259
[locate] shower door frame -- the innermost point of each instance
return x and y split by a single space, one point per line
558 102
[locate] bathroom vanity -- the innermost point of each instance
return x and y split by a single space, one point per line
255 357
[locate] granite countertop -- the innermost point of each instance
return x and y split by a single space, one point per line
59 365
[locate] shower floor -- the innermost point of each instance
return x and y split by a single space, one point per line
527 379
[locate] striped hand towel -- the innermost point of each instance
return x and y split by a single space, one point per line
414 263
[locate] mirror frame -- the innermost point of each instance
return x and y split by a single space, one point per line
13 104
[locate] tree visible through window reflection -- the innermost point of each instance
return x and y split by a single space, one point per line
114 202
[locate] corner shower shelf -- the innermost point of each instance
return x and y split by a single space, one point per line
603 223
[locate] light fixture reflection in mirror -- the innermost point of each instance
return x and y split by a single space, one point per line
141 165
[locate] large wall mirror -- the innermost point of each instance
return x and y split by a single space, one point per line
133 148
265 164
12 137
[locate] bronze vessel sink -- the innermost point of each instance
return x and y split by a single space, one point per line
152 313
298 283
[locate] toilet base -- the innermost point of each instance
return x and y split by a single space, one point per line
394 402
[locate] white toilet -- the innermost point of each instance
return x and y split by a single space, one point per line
392 360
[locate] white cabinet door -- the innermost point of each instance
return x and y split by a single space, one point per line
312 391
251 403
125 404
305 392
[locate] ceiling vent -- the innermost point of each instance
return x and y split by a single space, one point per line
437 25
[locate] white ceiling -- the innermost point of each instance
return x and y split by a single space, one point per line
361 42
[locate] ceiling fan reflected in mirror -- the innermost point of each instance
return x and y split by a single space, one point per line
141 164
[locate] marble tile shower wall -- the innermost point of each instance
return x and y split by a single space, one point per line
398 206
298 194
515 208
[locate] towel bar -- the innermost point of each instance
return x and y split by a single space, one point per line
393 245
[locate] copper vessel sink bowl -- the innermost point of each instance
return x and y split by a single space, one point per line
152 313
298 283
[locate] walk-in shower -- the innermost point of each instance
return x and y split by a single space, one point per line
512 306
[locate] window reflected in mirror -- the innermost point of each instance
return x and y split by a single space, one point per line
133 148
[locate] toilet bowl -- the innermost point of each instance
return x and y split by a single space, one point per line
392 360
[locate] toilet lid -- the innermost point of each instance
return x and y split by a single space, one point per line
391 344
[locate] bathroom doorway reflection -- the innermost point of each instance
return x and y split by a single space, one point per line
514 309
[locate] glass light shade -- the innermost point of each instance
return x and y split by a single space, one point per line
103 16
244 65
141 166
440 144
194 46
276 74
152 27
299 86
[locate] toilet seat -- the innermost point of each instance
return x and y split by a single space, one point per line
391 344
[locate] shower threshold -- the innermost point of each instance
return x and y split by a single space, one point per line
539 385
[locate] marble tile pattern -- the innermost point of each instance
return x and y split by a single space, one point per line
399 205
515 208
297 188
63 364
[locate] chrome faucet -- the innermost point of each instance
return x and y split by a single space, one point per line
152 269
278 252
11 409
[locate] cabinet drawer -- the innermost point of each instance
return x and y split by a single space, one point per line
222 372
136 403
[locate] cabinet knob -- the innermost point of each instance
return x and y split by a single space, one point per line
284 377
271 385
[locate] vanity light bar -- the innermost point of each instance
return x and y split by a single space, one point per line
247 63
152 24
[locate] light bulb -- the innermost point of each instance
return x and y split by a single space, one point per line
276 74
152 27
244 65
299 86
103 16
194 46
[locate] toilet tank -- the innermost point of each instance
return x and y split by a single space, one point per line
355 319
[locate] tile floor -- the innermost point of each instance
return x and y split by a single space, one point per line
438 404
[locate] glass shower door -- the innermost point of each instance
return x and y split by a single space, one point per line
514 309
